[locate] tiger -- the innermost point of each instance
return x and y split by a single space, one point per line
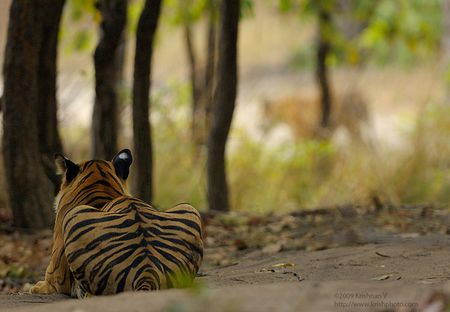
106 241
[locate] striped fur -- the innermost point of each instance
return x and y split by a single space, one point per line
106 241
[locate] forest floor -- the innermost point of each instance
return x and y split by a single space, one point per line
347 258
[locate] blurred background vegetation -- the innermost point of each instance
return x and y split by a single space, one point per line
388 73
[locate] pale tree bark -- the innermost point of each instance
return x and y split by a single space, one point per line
28 101
108 68
445 46
193 75
223 108
192 59
202 77
204 84
446 32
211 64
143 152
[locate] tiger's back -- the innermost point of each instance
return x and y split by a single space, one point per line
128 245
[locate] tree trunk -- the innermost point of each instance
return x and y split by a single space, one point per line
30 191
445 41
210 71
107 73
143 158
202 78
323 49
445 46
224 103
193 75
49 139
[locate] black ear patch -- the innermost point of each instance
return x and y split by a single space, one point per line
66 167
122 162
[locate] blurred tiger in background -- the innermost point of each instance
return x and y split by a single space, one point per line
302 114
106 241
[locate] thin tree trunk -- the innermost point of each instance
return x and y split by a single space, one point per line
323 49
30 191
107 73
223 109
211 61
193 71
143 159
203 80
49 139
445 41
445 45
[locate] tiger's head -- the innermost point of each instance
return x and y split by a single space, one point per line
93 182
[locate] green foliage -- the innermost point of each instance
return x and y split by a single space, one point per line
181 12
76 33
247 8
401 31
134 12
77 8
313 7
285 5
82 40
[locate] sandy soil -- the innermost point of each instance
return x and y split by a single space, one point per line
400 274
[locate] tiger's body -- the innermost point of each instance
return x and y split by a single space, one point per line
106 242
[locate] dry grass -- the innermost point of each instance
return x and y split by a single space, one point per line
304 173
308 172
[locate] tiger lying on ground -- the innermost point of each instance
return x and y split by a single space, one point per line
106 242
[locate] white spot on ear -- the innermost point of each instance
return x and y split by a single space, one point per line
123 156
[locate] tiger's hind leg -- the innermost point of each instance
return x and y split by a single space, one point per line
57 279
57 276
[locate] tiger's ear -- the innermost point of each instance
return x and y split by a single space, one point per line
66 167
122 162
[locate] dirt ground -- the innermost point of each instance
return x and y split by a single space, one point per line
347 258
400 274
